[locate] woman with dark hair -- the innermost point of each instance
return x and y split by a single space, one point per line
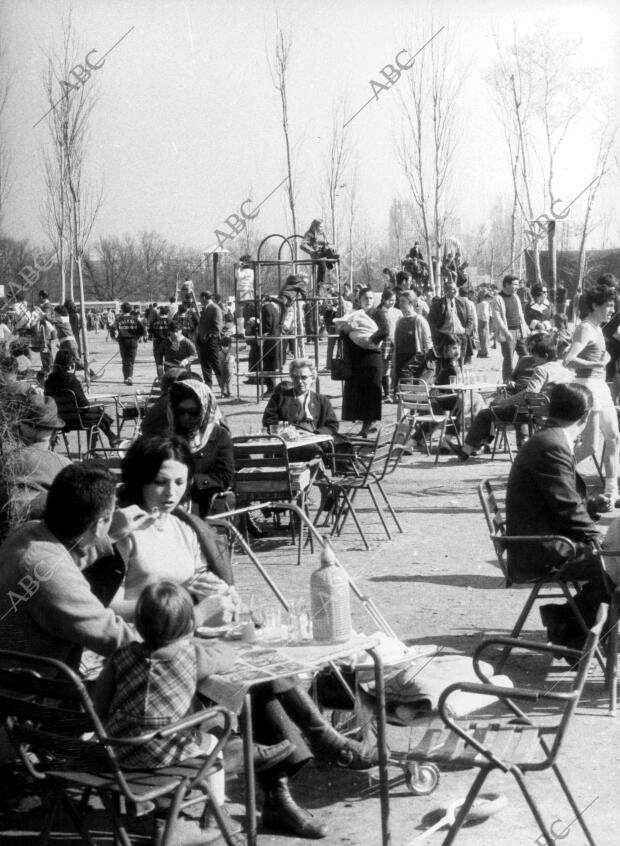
157 474
170 544
363 390
587 356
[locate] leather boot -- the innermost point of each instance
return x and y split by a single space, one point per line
323 738
264 757
282 814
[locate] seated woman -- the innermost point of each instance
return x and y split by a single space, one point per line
62 379
168 544
192 412
547 372
195 417
298 405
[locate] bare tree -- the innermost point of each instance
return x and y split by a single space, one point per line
117 262
337 161
279 70
605 148
71 203
150 254
426 144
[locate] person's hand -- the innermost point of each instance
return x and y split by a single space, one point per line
217 610
126 520
207 584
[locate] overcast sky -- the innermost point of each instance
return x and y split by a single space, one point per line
187 119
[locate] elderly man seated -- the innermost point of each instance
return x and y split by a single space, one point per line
548 371
298 405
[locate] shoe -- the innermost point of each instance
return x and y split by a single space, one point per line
556 621
114 441
129 381
387 398
282 814
253 528
264 757
456 449
356 755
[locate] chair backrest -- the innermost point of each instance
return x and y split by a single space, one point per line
69 410
388 454
583 663
496 522
414 400
537 406
47 710
262 467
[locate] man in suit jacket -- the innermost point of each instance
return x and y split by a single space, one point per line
298 405
209 337
546 496
450 315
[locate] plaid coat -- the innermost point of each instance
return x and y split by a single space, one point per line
153 690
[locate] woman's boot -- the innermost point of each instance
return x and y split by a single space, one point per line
323 738
282 814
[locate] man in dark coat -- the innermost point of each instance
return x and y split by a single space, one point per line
546 496
128 331
271 316
209 338
298 405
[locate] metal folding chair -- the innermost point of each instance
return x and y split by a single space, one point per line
79 419
514 745
371 463
416 403
50 719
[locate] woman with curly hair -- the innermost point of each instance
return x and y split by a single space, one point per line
587 356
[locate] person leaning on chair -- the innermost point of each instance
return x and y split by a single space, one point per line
546 496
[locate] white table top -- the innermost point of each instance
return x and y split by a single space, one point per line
303 440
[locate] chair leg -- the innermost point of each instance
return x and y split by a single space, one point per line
379 511
442 434
49 822
351 510
576 809
474 790
344 509
611 676
390 509
520 779
518 626
221 820
80 822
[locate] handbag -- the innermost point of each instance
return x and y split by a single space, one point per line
341 366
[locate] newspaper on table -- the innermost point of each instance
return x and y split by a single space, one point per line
255 664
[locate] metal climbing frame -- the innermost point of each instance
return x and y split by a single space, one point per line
285 268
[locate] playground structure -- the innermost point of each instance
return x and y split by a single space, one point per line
269 279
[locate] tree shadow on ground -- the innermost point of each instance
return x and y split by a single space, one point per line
465 580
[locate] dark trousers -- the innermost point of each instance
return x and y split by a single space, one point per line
515 344
158 354
129 349
272 724
209 352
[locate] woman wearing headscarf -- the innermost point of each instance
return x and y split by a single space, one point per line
194 415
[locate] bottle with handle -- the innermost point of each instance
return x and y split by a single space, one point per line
330 600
